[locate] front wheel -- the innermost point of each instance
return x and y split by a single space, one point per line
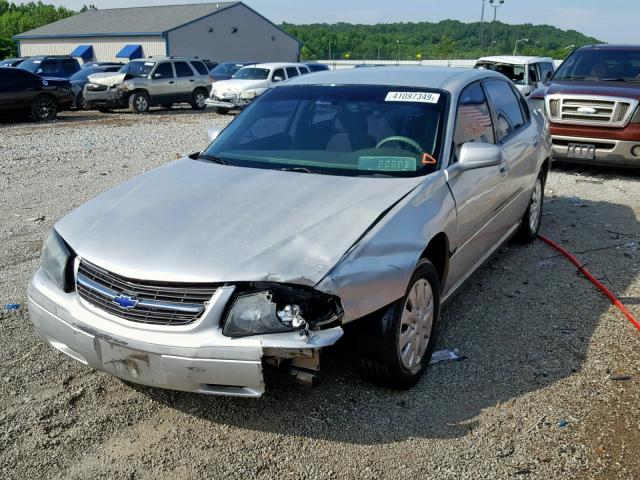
394 350
44 108
81 102
532 217
139 102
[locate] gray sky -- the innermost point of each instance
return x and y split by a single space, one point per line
607 20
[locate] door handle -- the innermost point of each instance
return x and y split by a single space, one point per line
536 144
502 169
172 82
192 80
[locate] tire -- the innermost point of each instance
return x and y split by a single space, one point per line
81 103
222 110
198 100
385 352
139 102
532 218
44 108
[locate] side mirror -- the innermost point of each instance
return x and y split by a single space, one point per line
212 133
157 75
474 155
277 78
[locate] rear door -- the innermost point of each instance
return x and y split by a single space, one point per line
479 194
185 80
519 141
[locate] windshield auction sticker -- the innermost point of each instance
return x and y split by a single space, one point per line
420 97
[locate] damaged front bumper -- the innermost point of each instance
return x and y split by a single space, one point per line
230 104
108 96
196 357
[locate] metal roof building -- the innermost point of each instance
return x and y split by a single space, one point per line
222 31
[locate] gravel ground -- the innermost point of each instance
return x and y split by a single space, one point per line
550 388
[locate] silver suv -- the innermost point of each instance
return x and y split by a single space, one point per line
151 81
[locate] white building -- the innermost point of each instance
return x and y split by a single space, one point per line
223 31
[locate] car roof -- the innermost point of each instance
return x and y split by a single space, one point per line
515 59
442 78
610 46
273 65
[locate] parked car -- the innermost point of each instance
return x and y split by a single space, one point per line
351 198
51 66
249 83
527 73
209 64
25 92
592 103
12 62
79 79
226 70
317 67
144 83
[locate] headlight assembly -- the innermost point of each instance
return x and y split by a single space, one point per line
278 308
57 261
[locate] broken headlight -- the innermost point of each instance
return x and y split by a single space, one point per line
57 261
278 309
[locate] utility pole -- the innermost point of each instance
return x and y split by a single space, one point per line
495 4
482 25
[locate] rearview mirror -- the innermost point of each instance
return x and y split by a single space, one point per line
475 155
212 133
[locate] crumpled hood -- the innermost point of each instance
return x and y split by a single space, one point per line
194 221
237 86
614 89
107 78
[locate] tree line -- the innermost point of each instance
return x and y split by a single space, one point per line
390 41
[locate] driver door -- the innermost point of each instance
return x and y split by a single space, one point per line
479 194
163 81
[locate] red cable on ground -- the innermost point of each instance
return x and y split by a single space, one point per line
582 269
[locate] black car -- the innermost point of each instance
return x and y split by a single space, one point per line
26 92
226 70
317 67
79 79
12 62
51 66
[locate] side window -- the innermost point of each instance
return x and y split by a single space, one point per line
70 66
304 70
49 67
533 73
200 68
292 72
278 73
506 108
183 69
473 120
164 70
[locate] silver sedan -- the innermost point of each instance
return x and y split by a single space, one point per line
357 200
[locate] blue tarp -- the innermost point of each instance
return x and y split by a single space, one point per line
83 51
131 52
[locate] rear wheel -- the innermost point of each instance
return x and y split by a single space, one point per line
139 102
532 217
198 100
44 108
394 349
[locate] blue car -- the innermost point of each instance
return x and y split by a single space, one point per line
226 70
51 66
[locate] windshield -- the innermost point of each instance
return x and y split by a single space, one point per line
515 73
601 64
31 64
138 69
340 130
250 73
227 68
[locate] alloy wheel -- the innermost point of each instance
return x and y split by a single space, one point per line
416 325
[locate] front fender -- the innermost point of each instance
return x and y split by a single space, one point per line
376 271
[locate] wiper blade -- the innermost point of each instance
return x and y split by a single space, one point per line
214 159
571 77
295 169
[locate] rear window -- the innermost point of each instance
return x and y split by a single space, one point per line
200 68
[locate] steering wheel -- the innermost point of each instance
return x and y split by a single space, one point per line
401 139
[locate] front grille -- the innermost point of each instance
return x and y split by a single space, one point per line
590 110
156 303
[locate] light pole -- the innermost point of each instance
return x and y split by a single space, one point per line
515 47
495 4
398 58
482 25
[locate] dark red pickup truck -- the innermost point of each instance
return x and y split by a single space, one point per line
592 106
